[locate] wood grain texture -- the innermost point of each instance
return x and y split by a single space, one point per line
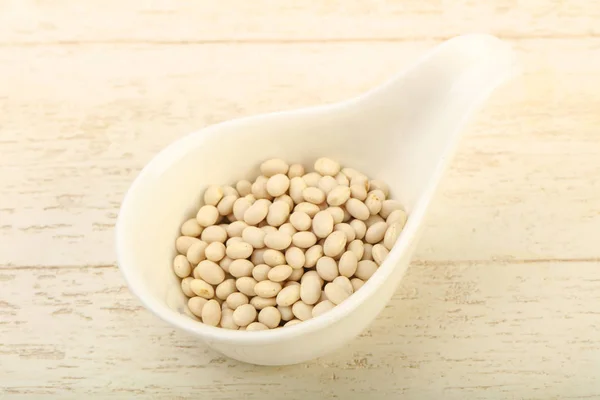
501 301
474 331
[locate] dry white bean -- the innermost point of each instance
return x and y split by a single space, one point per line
339 195
327 184
309 208
278 213
210 272
225 288
259 188
191 227
211 313
379 253
236 299
215 251
278 185
389 206
260 272
374 201
342 179
278 240
397 216
391 235
373 219
214 233
313 195
357 209
240 207
235 229
347 229
345 283
185 286
195 253
227 321
302 311
243 187
254 236
181 266
241 267
310 288
335 244
225 263
257 212
348 264
322 308
207 215
292 322
212 195
273 258
288 229
183 243
244 315
239 250
287 200
229 191
336 293
300 220
356 283
269 316
196 304
280 273
304 240
260 302
225 206
288 295
286 313
296 170
267 289
365 269
358 192
349 172
296 275
246 285
360 229
326 166
297 186
294 257
256 326
322 224
337 213
327 268
274 166
312 255
376 232
202 289
312 179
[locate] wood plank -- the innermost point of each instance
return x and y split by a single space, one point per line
477 331
66 21
523 186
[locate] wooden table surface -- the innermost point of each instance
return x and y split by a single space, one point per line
502 300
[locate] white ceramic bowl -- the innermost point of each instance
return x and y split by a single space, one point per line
403 132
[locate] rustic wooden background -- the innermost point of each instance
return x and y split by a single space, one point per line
502 300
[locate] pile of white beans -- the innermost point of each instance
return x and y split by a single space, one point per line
285 248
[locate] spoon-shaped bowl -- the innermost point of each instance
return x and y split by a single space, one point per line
403 132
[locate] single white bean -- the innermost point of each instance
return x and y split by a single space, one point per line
240 207
269 316
292 322
243 187
322 224
326 166
313 195
337 213
297 186
373 219
348 264
260 272
288 295
302 311
257 212
191 227
254 236
236 299
296 275
227 321
345 283
181 266
312 179
225 263
374 201
273 258
212 195
327 184
335 244
235 229
280 273
304 240
241 267
376 232
278 185
256 326
207 215
391 235
339 195
286 313
310 288
215 251
278 240
357 209
294 257
365 269
335 293
389 206
300 220
225 288
195 253
356 283
210 272
274 166
322 308
342 179
358 192
229 191
244 315
327 268
260 302
397 216
347 229
379 253
246 285
296 170
267 289
202 289
225 206
278 213
288 229
185 286
259 188
183 243
309 208
214 233
239 250
312 255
